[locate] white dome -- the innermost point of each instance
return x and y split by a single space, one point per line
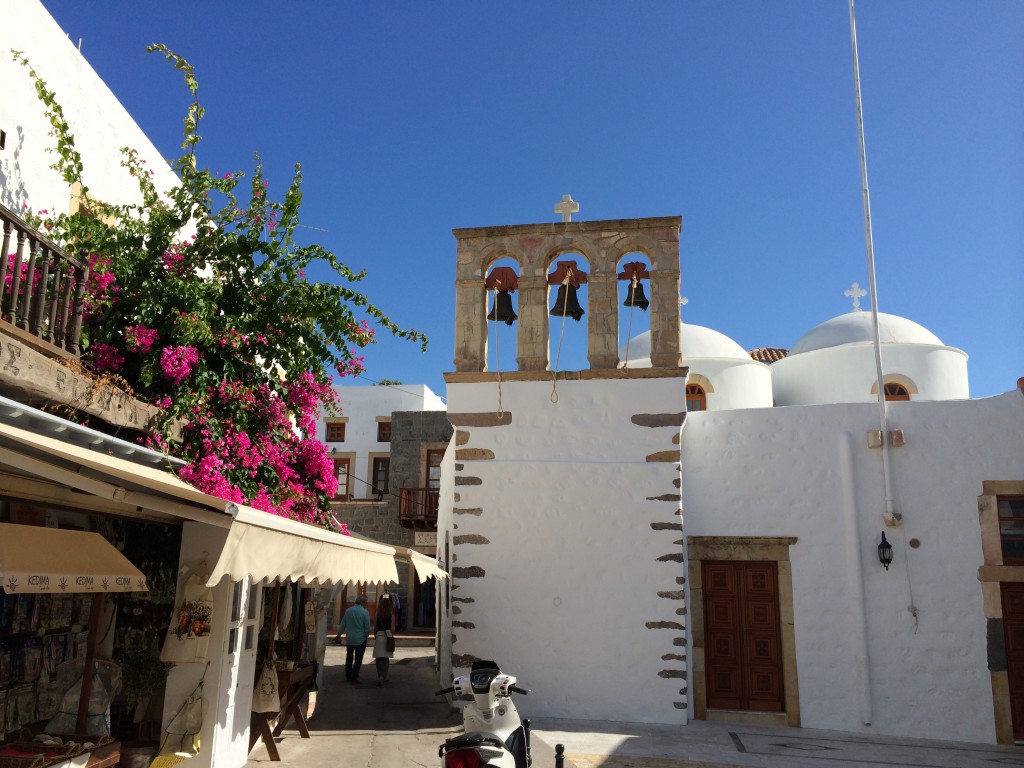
695 342
855 328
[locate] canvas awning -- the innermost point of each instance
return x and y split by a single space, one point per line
259 544
266 546
54 560
426 567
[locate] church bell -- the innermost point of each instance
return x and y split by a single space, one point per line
635 296
502 311
566 304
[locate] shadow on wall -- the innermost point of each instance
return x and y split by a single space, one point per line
12 187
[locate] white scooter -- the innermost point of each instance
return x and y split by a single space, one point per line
495 737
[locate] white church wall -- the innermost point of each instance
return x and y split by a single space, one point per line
567 561
445 503
846 374
736 384
100 124
782 472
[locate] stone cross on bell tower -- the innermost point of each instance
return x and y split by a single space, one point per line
567 207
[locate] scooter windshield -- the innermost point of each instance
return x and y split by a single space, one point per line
481 674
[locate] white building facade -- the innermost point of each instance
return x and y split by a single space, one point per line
720 558
359 437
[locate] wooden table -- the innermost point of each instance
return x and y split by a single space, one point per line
292 687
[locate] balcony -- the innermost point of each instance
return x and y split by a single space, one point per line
41 289
417 508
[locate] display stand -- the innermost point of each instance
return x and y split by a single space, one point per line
293 685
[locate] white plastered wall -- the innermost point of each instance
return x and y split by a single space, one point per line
781 472
735 383
100 125
846 374
567 563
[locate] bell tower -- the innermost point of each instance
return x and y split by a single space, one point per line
535 248
561 489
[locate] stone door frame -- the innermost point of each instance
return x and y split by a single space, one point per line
743 548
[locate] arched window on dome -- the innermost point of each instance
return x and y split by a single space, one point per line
896 391
696 398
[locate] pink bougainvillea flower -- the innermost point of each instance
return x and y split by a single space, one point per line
177 362
106 357
139 338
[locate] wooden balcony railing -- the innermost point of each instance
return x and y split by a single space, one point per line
417 508
42 288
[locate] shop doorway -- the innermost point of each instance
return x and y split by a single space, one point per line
424 604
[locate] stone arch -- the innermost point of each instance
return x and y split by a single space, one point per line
502 337
494 255
895 378
534 247
568 337
702 381
631 320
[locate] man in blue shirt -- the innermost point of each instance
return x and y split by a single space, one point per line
355 625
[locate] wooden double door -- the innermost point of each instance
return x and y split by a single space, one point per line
742 636
1013 632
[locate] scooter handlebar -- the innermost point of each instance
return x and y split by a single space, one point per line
443 691
517 689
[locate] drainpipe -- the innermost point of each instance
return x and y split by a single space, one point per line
855 575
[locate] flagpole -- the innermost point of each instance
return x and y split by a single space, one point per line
891 516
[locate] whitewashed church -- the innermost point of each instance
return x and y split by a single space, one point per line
687 530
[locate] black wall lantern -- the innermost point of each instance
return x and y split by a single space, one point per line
885 552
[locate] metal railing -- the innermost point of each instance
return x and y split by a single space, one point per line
417 507
42 288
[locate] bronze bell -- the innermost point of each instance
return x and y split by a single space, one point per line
566 304
635 296
502 310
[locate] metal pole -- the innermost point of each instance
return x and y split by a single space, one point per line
891 516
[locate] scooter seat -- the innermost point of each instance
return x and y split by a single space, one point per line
472 741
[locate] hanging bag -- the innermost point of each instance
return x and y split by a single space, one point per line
182 733
266 697
390 641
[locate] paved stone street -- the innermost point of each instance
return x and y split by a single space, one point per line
403 724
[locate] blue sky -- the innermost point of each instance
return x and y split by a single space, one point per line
411 119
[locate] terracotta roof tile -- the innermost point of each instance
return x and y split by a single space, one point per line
768 354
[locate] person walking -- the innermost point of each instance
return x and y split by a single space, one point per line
384 638
355 625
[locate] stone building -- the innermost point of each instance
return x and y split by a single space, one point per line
387 445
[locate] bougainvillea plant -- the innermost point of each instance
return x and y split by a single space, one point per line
198 298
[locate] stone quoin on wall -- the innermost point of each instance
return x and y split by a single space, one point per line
564 533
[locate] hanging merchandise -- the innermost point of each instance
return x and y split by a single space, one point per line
106 683
309 613
266 697
284 615
188 637
182 733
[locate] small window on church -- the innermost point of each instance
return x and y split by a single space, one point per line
696 399
895 391
1011 529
